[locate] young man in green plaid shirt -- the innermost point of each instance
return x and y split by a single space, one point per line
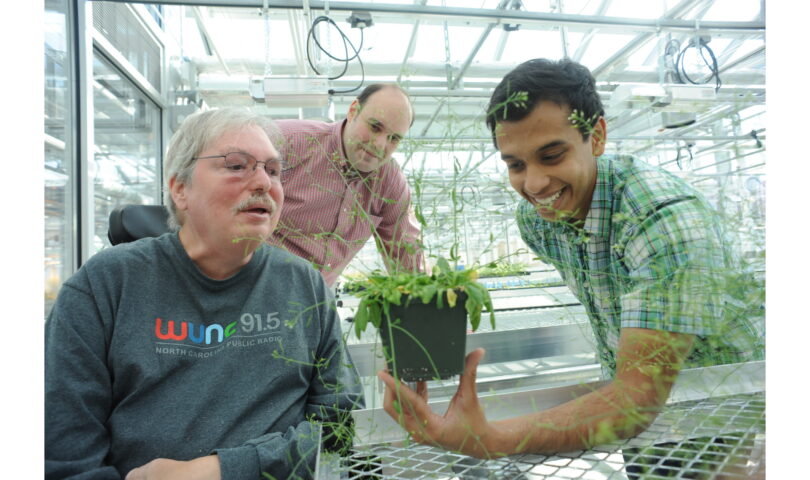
642 251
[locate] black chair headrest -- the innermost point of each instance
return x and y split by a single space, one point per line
132 222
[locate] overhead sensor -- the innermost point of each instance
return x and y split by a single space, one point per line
513 5
360 19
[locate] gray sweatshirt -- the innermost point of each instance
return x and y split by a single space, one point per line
146 357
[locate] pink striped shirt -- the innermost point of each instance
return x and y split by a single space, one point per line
328 215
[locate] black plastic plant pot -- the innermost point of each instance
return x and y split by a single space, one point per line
424 342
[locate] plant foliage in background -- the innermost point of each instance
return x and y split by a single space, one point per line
503 269
379 290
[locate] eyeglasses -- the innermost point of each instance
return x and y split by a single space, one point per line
242 165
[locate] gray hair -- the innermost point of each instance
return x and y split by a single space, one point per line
195 134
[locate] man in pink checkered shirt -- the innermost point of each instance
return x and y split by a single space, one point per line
341 186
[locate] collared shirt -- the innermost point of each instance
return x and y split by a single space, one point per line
330 210
652 254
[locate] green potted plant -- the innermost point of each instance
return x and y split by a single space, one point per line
422 318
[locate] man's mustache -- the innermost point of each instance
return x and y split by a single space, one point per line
258 200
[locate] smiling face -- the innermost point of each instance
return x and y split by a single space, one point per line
221 204
549 163
373 130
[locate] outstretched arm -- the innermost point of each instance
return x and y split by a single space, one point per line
647 363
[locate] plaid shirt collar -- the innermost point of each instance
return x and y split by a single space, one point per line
597 222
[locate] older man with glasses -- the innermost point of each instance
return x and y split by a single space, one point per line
203 353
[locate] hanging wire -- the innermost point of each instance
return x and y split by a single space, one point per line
756 138
702 47
671 55
688 148
312 36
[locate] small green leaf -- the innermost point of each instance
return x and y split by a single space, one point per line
474 295
375 315
419 217
427 293
360 318
444 267
475 317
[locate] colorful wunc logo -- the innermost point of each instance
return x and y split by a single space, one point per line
195 333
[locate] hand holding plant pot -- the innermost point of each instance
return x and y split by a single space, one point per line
463 427
422 318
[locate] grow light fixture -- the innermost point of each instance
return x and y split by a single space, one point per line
290 91
677 103
677 96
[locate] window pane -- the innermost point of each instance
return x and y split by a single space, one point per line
127 146
59 242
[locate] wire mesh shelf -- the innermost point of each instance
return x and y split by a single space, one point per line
688 440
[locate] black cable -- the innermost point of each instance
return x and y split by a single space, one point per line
756 138
671 51
346 58
713 68
688 148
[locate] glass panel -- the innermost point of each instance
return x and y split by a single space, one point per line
603 46
59 171
734 10
125 166
744 50
250 40
157 13
576 7
122 28
635 9
524 44
375 38
431 45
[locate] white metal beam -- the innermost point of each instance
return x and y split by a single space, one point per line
495 15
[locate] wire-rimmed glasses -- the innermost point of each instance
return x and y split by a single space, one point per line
243 165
